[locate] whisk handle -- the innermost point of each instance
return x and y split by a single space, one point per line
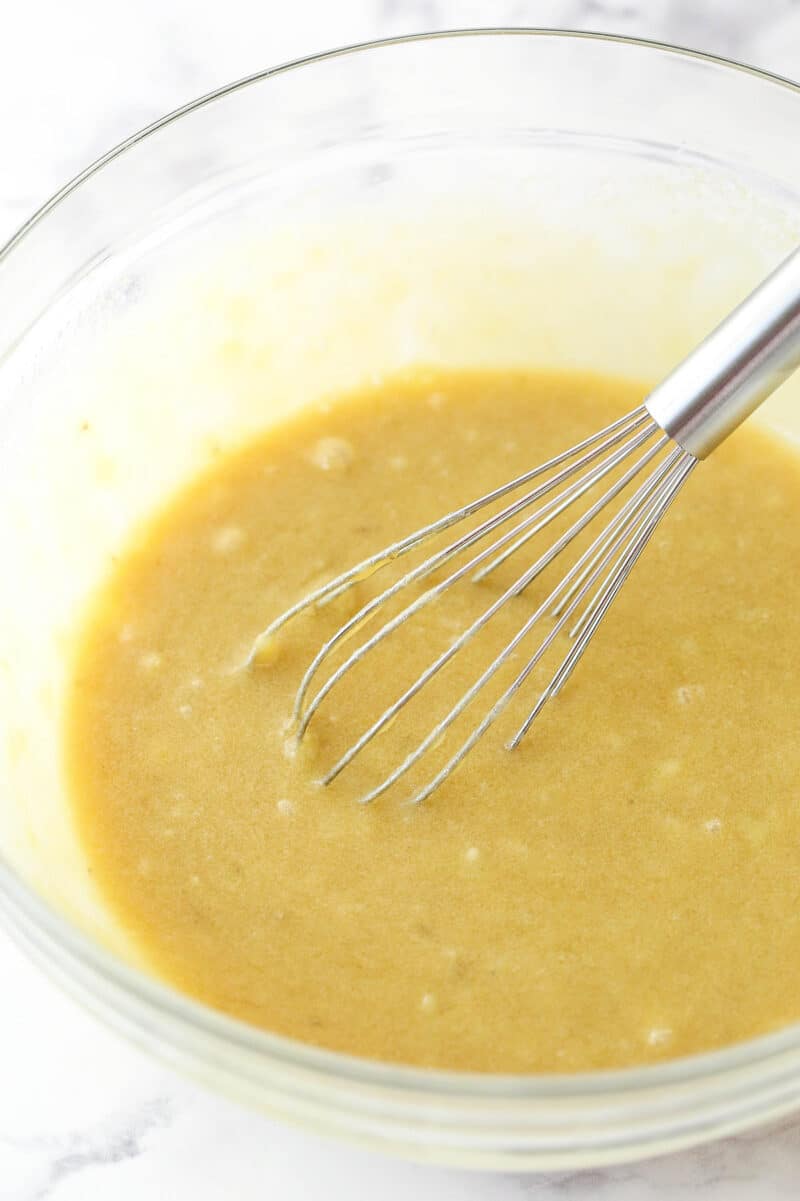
738 365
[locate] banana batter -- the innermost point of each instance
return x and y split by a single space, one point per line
623 888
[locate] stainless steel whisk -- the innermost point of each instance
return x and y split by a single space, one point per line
685 418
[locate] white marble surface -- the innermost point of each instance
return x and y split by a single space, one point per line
83 1117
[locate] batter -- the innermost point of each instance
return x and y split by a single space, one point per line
623 888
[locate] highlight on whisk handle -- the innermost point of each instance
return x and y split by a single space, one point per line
737 367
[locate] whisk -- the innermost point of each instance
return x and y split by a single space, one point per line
648 455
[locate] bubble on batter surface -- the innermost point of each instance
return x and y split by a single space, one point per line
227 539
690 694
332 454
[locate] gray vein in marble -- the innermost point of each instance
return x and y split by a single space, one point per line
748 1159
716 26
123 1136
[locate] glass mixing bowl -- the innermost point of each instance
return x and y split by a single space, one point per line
482 197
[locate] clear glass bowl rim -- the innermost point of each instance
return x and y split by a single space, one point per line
44 931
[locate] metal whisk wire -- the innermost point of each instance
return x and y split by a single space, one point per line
532 524
622 528
327 592
467 635
633 548
621 447
695 408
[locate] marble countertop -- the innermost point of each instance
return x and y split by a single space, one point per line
82 1115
